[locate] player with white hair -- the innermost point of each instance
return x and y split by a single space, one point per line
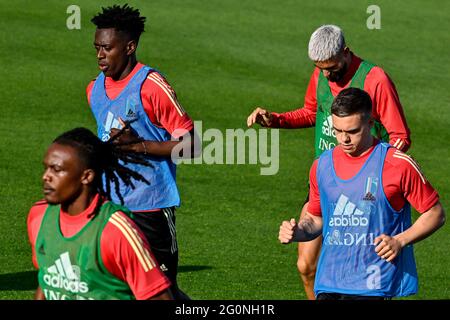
326 43
337 68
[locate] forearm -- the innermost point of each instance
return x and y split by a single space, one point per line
156 148
300 118
424 226
187 146
308 228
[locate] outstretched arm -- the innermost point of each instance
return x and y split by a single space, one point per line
308 228
388 247
303 117
260 116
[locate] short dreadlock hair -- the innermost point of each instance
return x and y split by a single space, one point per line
124 19
103 158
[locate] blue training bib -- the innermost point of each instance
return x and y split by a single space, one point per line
162 191
355 212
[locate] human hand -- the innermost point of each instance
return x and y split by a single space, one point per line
125 137
287 230
260 116
387 247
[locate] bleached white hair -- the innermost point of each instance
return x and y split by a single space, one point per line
325 43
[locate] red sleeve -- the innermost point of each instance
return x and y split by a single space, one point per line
412 183
314 196
89 90
162 107
304 117
34 221
126 254
387 107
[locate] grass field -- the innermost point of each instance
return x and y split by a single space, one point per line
222 58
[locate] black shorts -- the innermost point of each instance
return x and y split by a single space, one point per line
159 229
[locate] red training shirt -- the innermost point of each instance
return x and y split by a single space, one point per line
402 180
386 106
158 99
124 250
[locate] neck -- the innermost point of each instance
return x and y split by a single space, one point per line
80 204
364 148
127 70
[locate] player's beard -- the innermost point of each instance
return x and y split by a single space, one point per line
338 75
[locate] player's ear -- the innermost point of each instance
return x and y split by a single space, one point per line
346 52
131 47
87 177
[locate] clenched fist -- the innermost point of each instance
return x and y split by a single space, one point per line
287 230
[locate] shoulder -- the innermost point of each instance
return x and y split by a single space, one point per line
378 75
119 218
37 210
91 84
378 71
122 239
34 219
120 228
314 166
163 98
380 86
403 163
315 75
157 83
89 88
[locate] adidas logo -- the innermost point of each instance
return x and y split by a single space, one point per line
63 275
131 113
327 127
132 103
369 197
163 268
346 214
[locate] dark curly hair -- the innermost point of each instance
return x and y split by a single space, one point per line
124 19
103 158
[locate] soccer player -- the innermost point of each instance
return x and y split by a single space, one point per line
129 91
85 246
360 197
337 68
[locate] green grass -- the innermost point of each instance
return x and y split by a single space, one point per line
222 58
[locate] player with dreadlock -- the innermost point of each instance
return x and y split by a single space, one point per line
126 90
84 245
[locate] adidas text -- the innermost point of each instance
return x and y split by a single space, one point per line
58 281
